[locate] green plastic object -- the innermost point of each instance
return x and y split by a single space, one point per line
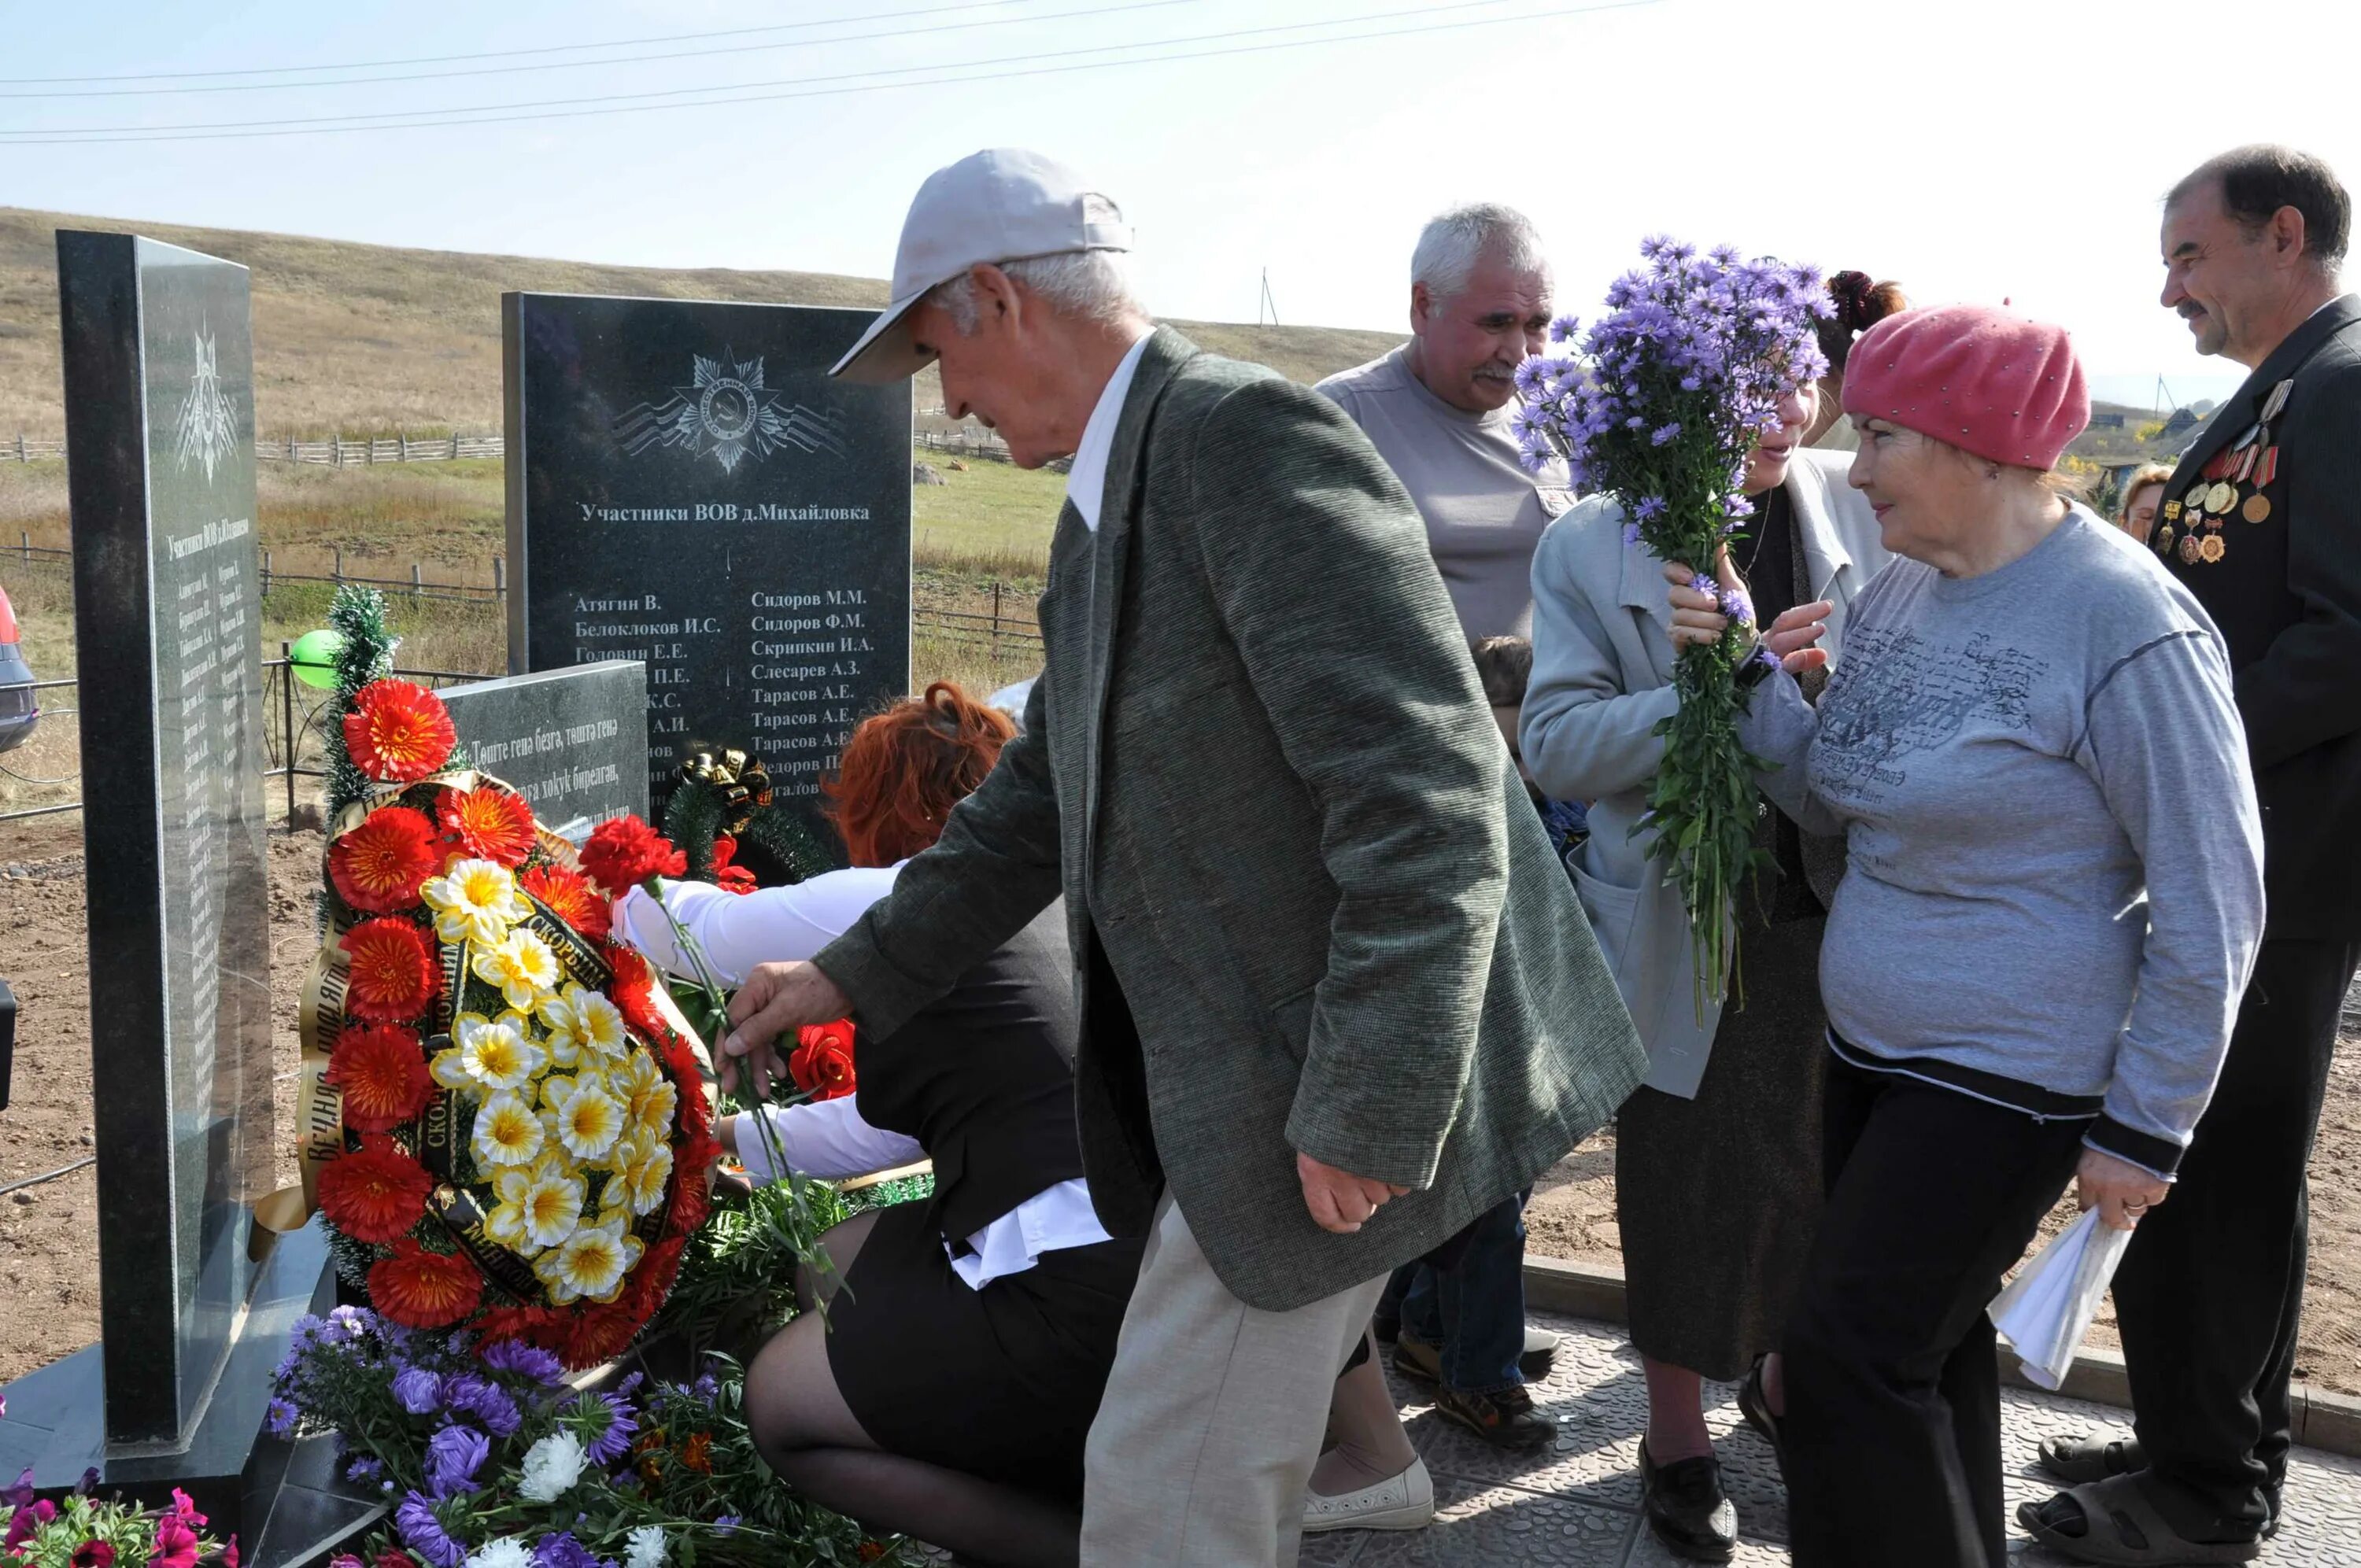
313 657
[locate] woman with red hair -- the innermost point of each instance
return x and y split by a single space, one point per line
946 1393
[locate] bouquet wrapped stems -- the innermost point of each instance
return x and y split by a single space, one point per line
1670 393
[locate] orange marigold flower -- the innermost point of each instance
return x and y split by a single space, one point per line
381 865
381 1072
697 1453
728 877
490 824
392 974
625 852
424 1290
376 1192
570 897
397 732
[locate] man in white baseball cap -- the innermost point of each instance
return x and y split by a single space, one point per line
1337 996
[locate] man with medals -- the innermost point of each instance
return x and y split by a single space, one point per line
2262 520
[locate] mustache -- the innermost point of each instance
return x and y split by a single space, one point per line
2190 311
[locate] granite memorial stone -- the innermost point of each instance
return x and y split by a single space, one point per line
194 1305
687 488
573 742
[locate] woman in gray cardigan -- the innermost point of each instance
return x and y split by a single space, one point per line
1716 1160
2052 901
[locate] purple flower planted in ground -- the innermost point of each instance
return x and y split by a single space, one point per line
453 1457
423 1532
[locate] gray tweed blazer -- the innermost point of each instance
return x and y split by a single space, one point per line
1310 905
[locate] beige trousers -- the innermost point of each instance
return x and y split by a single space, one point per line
1212 1416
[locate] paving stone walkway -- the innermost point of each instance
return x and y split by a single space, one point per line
1576 1505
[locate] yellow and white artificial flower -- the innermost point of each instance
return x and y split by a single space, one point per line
648 1097
580 1020
475 901
523 966
539 1206
489 1054
583 1115
646 1173
506 1131
590 1264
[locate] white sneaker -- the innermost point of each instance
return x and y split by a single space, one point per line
1402 1502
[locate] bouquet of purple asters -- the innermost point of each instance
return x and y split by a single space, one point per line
1670 393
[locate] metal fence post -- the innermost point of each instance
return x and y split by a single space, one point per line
499 578
340 565
417 581
287 724
266 574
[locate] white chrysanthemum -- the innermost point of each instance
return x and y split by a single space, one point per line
551 1467
591 1264
523 966
507 1131
583 1116
475 901
645 1547
508 1552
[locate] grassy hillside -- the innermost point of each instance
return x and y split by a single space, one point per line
366 338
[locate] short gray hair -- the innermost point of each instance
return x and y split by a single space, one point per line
1452 241
1092 284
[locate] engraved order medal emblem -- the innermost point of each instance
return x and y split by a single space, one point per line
726 414
206 430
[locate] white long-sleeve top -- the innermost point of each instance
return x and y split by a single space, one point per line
827 1139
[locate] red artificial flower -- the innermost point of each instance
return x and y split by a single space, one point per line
572 899
94 1554
394 1557
490 824
377 1192
397 732
626 852
176 1544
381 1070
597 1335
821 1063
381 865
730 878
392 974
424 1290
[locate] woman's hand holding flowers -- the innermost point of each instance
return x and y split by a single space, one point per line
1702 613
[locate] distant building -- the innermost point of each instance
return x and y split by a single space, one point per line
2182 421
2106 421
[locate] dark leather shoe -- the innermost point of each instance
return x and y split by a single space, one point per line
1687 1509
1505 1418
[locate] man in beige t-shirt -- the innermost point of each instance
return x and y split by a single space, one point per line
1438 409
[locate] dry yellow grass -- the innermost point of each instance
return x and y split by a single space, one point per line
354 339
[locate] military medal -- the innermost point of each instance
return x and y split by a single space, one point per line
2219 497
2212 549
2189 549
2269 468
2257 508
2171 512
2164 539
2277 400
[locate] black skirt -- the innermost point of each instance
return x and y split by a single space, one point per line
1716 1198
1000 1383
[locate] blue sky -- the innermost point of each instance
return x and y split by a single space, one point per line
2001 149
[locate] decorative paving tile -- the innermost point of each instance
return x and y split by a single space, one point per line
1505 1527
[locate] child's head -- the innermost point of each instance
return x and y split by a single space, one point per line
1505 666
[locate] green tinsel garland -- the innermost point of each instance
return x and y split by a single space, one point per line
365 654
692 819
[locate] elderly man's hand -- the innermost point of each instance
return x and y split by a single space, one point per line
775 999
2120 1190
1339 1201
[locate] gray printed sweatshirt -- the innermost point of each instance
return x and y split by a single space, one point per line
2055 872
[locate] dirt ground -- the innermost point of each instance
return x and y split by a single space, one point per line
1571 1216
49 1251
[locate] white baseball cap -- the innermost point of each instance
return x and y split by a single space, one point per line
999 205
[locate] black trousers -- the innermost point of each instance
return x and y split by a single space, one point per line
1891 1443
2209 1293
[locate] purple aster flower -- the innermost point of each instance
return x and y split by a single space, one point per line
1664 435
725 1524
1650 508
1704 584
1737 605
530 1360
561 1549
279 1417
363 1468
453 1457
1630 533
469 1395
423 1532
605 1425
419 1391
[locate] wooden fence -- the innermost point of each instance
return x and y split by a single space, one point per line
334 451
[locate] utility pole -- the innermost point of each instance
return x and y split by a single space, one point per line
1266 301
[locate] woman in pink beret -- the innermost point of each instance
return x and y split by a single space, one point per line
2053 897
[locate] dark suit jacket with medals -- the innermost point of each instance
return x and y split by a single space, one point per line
2281 498
1308 905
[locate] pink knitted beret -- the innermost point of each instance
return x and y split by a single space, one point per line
1985 380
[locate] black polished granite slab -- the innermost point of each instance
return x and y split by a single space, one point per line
574 742
159 417
687 487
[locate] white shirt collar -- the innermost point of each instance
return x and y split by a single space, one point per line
1086 480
